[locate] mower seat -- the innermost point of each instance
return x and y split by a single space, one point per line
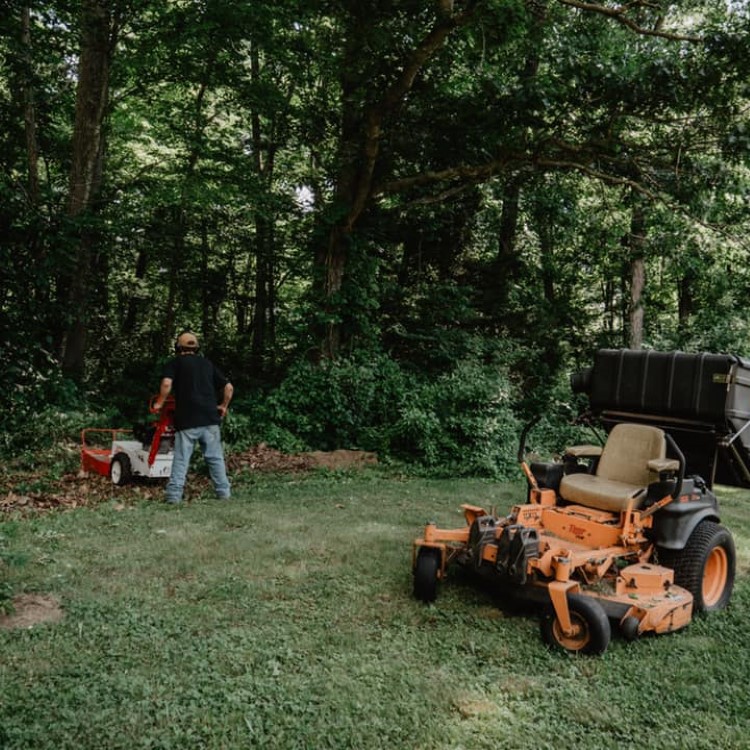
632 459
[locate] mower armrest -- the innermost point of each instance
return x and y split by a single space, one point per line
664 465
584 451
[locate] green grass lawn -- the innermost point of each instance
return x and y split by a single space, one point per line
284 619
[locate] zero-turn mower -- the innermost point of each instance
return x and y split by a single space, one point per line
621 533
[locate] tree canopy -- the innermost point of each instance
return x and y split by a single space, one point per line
438 185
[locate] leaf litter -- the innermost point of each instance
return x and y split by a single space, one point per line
30 492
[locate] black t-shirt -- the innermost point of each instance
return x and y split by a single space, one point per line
196 383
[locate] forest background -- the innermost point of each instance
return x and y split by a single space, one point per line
396 225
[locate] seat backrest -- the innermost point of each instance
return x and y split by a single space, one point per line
627 452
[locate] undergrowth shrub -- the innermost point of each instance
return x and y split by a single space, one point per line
557 426
249 423
31 381
51 438
41 410
42 415
351 402
461 422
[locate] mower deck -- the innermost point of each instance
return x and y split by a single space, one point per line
552 552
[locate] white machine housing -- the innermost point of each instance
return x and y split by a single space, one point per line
134 450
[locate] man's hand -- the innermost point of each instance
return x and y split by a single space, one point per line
222 410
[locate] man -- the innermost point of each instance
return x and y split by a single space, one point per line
195 382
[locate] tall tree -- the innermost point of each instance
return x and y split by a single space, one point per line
100 24
29 108
430 141
362 129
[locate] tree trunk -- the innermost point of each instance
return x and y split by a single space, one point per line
637 244
208 290
29 111
271 332
179 224
508 264
358 152
555 318
130 320
179 229
262 330
98 39
262 283
27 277
685 299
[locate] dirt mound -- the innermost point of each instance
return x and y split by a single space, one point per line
262 458
341 459
30 610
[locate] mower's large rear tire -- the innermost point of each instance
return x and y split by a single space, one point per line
706 567
426 574
592 631
120 471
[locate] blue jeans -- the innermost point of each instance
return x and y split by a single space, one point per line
209 439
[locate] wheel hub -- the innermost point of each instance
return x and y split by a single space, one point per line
715 576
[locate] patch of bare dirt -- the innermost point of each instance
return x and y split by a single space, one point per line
30 610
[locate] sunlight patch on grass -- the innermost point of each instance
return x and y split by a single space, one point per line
480 707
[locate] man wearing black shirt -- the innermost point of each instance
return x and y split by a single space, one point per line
195 382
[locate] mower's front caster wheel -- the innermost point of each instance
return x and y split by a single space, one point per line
630 627
591 629
426 575
120 471
706 567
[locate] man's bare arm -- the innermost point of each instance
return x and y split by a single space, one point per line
164 391
224 405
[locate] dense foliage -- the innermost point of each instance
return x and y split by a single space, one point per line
397 225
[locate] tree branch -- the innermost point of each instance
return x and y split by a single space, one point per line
475 173
619 14
571 157
427 200
394 96
608 179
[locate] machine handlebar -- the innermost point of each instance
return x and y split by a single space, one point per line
167 406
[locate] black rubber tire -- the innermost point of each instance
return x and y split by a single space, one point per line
594 630
710 545
426 575
629 628
120 471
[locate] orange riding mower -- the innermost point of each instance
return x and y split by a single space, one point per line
121 454
619 534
